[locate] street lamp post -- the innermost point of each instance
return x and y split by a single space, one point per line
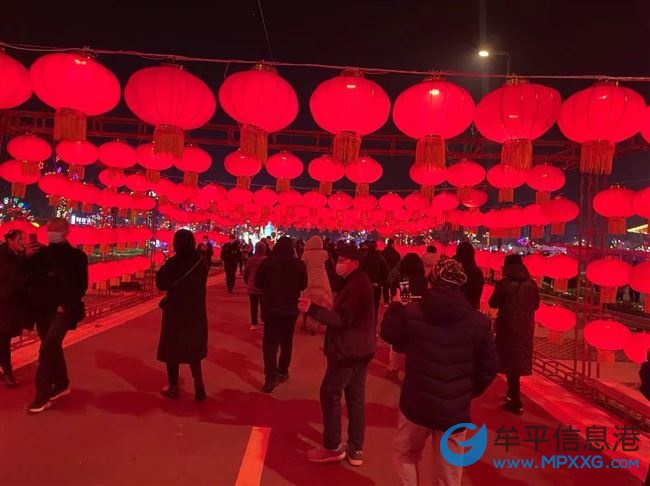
487 53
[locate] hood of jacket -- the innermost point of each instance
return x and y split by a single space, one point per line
445 305
260 248
516 271
314 243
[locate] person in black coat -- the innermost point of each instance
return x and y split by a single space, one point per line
231 256
206 250
13 299
350 342
58 283
375 266
392 259
474 285
516 297
184 329
450 360
282 277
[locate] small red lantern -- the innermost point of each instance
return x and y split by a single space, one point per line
195 160
30 150
15 85
137 183
117 156
431 112
363 172
636 347
349 106
535 263
607 336
326 170
284 166
609 273
76 86
391 203
262 102
445 201
560 211
640 281
506 179
112 179
242 166
172 100
561 268
514 115
556 319
642 205
545 179
146 156
263 200
78 155
598 117
428 177
616 204
535 216
475 199
464 175
54 186
12 171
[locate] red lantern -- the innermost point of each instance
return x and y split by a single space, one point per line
545 179
284 166
561 268
30 150
12 171
264 199
445 201
428 177
645 125
112 179
514 115
78 155
556 318
76 86
636 347
616 204
326 170
363 172
117 156
535 216
598 117
506 179
137 183
464 175
263 102
390 202
54 186
640 281
172 100
146 156
349 106
606 335
431 112
475 199
561 211
609 273
535 263
195 160
242 166
15 85
642 205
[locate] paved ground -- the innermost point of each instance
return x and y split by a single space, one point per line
115 428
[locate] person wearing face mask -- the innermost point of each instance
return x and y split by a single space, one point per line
230 256
350 342
205 250
59 282
13 299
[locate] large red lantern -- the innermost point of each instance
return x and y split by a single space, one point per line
78 155
506 179
171 99
76 86
15 85
607 336
636 347
642 205
640 281
363 172
262 102
147 157
598 117
30 150
561 268
242 166
431 112
195 160
609 273
12 171
545 179
464 175
560 211
326 170
514 115
616 204
284 166
349 106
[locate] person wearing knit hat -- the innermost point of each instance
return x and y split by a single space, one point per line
516 297
450 360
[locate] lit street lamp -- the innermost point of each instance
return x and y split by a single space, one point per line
486 53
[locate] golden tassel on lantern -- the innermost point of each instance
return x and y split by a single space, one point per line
517 154
346 147
362 189
152 176
18 190
243 182
168 140
29 168
121 246
616 226
427 191
69 125
596 157
560 284
77 170
542 197
555 337
325 188
430 152
53 200
608 295
191 179
463 192
123 212
558 228
254 142
606 357
282 184
506 194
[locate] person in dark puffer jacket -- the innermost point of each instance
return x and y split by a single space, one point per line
450 359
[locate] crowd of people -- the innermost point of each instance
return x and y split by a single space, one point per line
438 338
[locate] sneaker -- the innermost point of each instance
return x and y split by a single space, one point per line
355 458
323 456
169 392
269 386
253 327
39 405
59 392
509 407
282 377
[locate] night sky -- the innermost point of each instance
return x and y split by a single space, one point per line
542 37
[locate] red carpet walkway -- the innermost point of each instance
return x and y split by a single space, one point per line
115 429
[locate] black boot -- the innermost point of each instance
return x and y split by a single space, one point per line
199 391
171 392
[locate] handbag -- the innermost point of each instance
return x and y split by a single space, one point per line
163 302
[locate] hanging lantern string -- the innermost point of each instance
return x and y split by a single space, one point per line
367 70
